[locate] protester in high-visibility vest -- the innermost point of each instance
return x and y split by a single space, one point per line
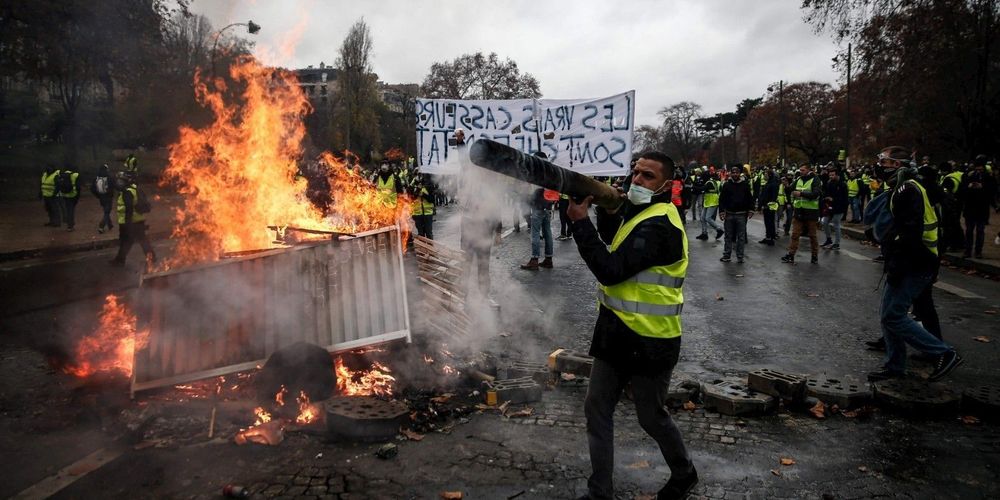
68 188
131 165
805 199
422 208
131 221
853 195
710 202
911 266
952 235
388 185
639 255
768 203
50 198
785 208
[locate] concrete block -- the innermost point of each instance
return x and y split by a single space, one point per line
842 392
983 400
539 372
566 361
780 385
917 397
734 398
515 390
681 391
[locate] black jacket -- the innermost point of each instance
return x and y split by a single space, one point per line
837 192
976 193
736 197
903 247
654 242
769 193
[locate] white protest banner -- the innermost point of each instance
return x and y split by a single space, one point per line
590 136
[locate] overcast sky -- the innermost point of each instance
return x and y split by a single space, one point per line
713 52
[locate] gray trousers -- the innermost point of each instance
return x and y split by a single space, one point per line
606 386
736 232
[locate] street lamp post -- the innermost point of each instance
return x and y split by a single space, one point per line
252 28
847 112
781 109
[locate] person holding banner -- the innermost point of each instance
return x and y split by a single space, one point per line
637 337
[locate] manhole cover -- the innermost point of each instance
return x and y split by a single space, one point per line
364 418
917 396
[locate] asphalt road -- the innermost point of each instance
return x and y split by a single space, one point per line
801 318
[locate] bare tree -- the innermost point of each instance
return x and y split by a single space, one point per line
647 138
356 122
476 76
188 40
682 135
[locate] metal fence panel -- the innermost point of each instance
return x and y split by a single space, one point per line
212 319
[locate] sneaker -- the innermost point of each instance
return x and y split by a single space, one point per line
702 237
879 258
547 263
678 488
100 230
835 247
828 244
725 258
764 241
814 260
788 258
719 233
884 374
739 260
770 242
945 364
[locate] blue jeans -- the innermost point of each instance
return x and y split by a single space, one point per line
832 220
541 226
855 208
899 329
708 219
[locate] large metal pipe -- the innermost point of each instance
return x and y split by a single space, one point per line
503 159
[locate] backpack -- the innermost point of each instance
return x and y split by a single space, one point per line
64 182
141 203
101 185
879 216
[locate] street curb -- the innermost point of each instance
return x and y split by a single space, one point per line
68 249
950 259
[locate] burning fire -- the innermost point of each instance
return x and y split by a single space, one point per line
111 347
238 174
307 411
374 382
262 416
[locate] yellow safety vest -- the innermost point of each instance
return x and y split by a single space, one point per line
930 234
781 194
72 178
956 180
136 216
712 197
387 190
852 188
49 184
802 202
650 302
131 165
421 206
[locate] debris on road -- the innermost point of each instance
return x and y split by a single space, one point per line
787 461
270 433
982 338
387 451
818 410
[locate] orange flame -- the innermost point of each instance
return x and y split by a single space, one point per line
262 416
394 154
375 381
111 347
279 398
307 411
238 174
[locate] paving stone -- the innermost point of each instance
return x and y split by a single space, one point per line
566 361
983 400
515 390
917 396
539 372
780 385
842 392
734 398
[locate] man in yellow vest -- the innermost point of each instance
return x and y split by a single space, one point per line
68 189
710 202
422 208
50 197
805 198
131 221
131 166
854 195
911 266
637 337
388 185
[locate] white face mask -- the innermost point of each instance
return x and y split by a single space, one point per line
639 195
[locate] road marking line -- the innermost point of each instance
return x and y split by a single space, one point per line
965 294
855 255
69 474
